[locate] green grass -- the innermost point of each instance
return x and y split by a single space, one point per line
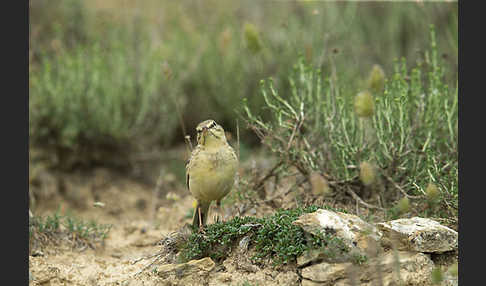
59 228
409 133
96 100
272 236
105 80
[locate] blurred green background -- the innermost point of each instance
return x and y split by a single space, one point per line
109 77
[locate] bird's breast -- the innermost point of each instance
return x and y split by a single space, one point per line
212 176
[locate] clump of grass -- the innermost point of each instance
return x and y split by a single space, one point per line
94 99
90 102
57 228
207 53
273 236
409 131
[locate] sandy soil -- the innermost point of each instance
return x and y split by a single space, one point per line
140 218
141 215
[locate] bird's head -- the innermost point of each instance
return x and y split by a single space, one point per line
209 134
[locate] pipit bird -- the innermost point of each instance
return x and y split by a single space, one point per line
211 169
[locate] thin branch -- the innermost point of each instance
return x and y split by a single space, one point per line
296 127
298 183
358 199
270 174
400 189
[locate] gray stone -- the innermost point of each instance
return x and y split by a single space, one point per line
354 231
418 234
183 270
391 268
325 272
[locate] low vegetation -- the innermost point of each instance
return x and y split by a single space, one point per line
65 229
89 104
397 138
111 78
273 236
270 237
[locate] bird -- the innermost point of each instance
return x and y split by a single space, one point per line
210 170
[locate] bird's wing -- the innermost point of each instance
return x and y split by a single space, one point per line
189 163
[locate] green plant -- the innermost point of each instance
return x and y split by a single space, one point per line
206 57
272 236
411 136
358 258
437 276
61 228
98 100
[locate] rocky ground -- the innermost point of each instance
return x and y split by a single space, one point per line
143 215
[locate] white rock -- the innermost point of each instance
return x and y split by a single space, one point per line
350 228
418 234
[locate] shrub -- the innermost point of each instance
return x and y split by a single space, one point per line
58 228
101 97
272 237
412 135
215 54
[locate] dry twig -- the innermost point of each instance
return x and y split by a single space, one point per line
358 199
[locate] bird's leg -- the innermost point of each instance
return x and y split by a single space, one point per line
200 218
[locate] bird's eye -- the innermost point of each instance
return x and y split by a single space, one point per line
212 125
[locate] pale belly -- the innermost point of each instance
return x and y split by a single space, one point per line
210 180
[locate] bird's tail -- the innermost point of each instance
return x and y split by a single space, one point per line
204 209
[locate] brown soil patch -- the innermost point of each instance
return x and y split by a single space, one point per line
140 218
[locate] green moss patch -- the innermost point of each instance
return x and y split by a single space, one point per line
273 236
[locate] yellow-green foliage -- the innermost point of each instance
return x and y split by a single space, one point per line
437 276
411 133
252 38
376 79
367 173
364 104
100 95
453 270
403 205
432 193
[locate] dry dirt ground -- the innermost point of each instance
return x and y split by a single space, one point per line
139 217
141 212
